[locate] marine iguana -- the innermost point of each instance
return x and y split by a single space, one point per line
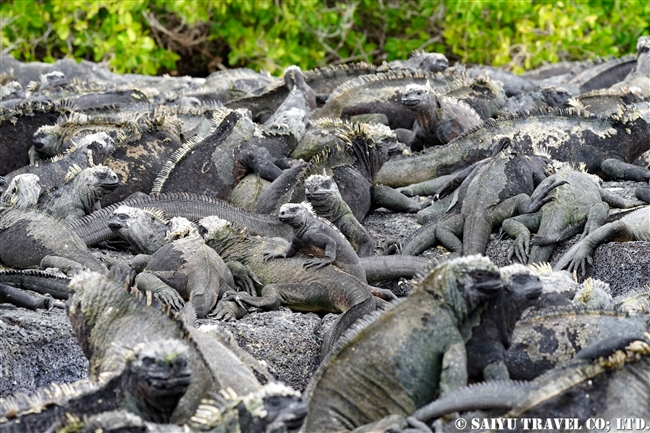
22 192
287 282
94 227
491 191
321 80
552 97
418 59
551 336
326 201
607 380
315 236
18 124
438 119
639 79
109 322
607 145
185 273
81 195
580 201
491 337
45 282
30 239
631 227
89 150
353 166
400 359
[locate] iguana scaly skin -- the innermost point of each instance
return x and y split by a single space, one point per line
315 236
326 201
549 337
438 119
287 282
638 81
38 281
602 75
28 237
634 226
379 93
90 150
606 145
546 97
492 191
353 165
94 228
608 381
322 81
81 195
186 273
418 59
18 124
22 192
579 201
109 322
402 358
491 337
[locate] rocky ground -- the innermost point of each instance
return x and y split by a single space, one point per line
38 348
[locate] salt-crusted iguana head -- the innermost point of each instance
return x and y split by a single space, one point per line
418 96
157 377
463 283
323 194
93 183
275 407
179 227
144 229
295 214
215 229
12 90
22 192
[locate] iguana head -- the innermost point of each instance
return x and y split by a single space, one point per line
295 214
417 96
323 194
274 407
463 283
22 192
144 229
157 377
643 45
179 227
214 229
93 183
12 89
521 289
432 62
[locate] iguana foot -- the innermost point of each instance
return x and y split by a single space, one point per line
268 256
520 248
244 278
316 263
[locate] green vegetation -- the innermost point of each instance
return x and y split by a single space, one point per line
199 36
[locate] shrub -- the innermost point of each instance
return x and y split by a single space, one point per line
199 36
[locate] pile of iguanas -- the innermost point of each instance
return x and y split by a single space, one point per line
154 205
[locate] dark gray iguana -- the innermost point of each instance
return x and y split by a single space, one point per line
608 380
580 201
491 191
109 322
326 201
29 239
317 237
438 119
401 359
287 282
176 264
607 145
634 226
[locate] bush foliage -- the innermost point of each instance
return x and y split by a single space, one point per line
199 36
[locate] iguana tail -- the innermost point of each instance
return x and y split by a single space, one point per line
345 321
562 235
504 394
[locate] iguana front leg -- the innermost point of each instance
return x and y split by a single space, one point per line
539 197
19 298
244 277
324 242
454 368
147 281
519 228
290 251
582 252
595 218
